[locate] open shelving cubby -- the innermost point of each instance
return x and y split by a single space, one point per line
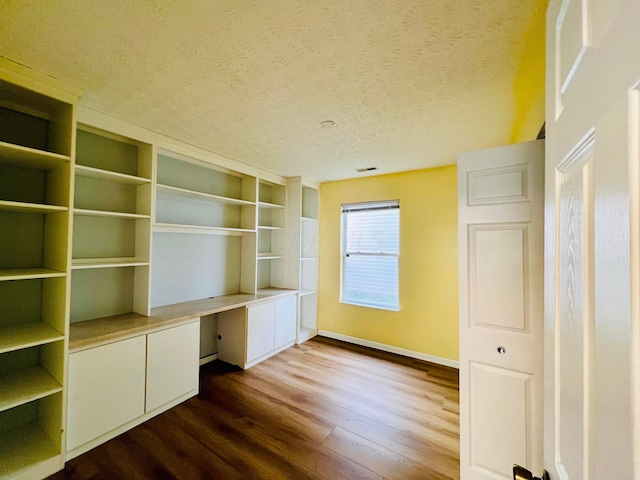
36 131
112 225
302 265
272 234
204 232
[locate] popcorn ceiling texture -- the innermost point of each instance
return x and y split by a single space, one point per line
410 83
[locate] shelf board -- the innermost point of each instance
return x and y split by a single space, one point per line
268 205
268 227
28 273
25 335
306 292
206 196
19 156
104 213
308 219
305 259
177 228
305 333
86 263
21 207
269 256
99 174
26 385
26 446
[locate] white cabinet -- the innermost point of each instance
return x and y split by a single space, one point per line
106 389
261 324
173 360
285 321
115 386
248 335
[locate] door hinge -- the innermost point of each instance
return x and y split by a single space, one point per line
521 473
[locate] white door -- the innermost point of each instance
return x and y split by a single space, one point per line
500 224
592 340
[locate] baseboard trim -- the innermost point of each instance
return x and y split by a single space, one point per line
391 349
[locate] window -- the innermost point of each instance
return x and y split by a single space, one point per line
370 247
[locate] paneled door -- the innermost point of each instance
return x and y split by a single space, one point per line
592 268
500 224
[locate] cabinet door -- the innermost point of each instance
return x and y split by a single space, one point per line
173 358
285 320
260 330
106 389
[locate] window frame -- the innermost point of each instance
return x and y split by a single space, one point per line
344 254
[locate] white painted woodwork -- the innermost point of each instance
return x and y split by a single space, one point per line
285 320
106 389
301 262
592 241
261 325
173 362
248 335
500 201
38 118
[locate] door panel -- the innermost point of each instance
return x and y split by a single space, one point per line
488 385
497 258
500 245
592 241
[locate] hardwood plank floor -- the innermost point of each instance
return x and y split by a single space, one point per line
321 410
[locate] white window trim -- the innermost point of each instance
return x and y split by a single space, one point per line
374 205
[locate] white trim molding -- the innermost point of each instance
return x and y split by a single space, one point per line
391 349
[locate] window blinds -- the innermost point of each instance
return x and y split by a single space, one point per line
370 248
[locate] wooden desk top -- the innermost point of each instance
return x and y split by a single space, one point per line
100 331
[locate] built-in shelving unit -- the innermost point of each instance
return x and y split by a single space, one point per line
302 264
204 231
272 234
112 225
36 136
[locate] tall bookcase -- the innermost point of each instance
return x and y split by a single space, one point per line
37 123
111 225
272 240
302 261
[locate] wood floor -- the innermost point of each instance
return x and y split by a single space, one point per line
321 410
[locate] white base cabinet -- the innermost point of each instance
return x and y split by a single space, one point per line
246 336
173 362
106 389
128 381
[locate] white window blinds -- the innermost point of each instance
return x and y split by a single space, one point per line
370 248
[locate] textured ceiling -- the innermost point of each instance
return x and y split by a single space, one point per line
409 83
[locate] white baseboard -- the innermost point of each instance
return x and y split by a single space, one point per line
391 349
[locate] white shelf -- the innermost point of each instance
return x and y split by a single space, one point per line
305 259
268 227
87 263
269 256
24 447
99 174
21 207
177 228
28 273
25 335
306 333
26 385
303 293
308 219
206 196
20 156
270 205
104 213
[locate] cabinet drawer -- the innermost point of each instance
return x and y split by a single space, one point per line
106 389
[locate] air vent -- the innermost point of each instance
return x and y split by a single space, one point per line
366 169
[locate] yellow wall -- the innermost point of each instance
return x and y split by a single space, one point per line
428 318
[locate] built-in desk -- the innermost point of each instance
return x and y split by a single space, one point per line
128 368
100 331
